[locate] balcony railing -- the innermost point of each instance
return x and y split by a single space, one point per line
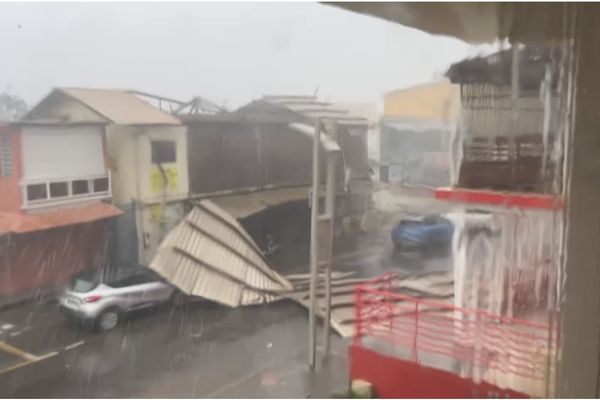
506 352
56 191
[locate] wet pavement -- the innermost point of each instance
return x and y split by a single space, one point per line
202 350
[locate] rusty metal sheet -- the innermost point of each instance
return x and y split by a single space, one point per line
25 223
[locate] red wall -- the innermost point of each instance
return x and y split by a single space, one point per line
10 198
52 256
396 378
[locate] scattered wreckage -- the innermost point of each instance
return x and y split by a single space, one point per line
210 255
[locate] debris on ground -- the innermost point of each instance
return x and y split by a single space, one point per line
362 389
210 255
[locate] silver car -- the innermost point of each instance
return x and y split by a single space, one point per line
101 300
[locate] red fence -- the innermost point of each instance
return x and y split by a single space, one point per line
472 345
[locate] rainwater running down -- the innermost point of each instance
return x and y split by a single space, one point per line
155 218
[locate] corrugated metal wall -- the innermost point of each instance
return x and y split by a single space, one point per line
233 155
353 142
49 258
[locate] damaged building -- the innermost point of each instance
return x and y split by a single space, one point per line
147 154
255 162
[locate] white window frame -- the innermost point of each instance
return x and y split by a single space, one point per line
70 197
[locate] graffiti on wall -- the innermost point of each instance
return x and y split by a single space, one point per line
157 179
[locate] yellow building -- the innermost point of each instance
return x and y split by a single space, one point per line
415 133
437 100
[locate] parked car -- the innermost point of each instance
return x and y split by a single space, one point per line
100 300
424 234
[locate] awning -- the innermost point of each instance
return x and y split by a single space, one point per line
25 223
327 143
245 204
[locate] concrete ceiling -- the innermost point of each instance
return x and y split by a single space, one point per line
479 22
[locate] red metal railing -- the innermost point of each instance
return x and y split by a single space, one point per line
473 339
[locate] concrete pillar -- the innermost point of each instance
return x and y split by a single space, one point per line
580 307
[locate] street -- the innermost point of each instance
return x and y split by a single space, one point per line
202 350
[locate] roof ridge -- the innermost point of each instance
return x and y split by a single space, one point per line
103 89
91 98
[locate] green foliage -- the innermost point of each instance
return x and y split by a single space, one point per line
12 107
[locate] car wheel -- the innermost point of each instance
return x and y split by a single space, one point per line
108 320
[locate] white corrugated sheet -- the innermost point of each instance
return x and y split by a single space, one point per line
245 204
210 255
309 107
433 285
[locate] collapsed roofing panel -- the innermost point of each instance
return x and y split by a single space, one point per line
432 286
246 204
308 107
210 255
302 109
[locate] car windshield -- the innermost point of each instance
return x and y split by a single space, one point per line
410 222
86 281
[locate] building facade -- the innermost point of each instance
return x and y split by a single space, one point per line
54 212
147 154
416 130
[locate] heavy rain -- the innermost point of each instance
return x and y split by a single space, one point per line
294 200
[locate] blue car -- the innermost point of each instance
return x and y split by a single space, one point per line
422 233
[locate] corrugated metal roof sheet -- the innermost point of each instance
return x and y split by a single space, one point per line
245 204
121 106
25 223
433 285
368 111
307 107
210 255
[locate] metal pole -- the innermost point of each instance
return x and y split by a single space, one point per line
314 246
513 150
332 157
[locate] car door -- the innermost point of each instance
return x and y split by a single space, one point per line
434 230
440 230
148 289
125 290
155 289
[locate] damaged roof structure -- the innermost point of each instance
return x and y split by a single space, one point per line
496 69
304 109
210 255
351 129
509 101
122 107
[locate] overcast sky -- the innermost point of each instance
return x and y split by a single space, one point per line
226 52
